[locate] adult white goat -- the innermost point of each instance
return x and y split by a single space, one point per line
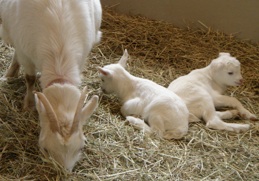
54 37
202 91
164 112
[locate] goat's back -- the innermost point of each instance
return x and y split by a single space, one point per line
196 81
41 29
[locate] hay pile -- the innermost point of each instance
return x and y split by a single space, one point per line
114 150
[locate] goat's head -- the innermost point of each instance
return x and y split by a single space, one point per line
62 115
113 75
226 70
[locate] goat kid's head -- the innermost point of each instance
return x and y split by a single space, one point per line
114 74
62 115
227 70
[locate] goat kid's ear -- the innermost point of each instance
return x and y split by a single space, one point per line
224 54
216 65
89 108
124 59
103 71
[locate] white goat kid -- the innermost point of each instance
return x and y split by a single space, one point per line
202 91
54 37
164 112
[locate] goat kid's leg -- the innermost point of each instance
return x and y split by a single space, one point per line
227 114
222 101
13 69
131 107
214 122
174 130
29 97
157 125
173 134
220 125
176 133
139 124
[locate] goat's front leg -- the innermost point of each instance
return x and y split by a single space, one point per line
29 97
13 69
132 107
226 101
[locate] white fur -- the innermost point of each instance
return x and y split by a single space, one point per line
164 112
202 90
63 146
53 37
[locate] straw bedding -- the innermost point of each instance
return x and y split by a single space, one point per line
116 151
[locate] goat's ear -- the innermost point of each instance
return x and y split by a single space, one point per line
39 106
103 71
124 59
89 108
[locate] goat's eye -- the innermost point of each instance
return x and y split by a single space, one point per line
230 73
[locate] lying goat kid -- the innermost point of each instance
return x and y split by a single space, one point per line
202 91
165 112
54 37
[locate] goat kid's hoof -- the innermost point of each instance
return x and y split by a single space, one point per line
247 115
242 128
136 122
254 118
250 117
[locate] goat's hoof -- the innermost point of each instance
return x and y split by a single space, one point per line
3 79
